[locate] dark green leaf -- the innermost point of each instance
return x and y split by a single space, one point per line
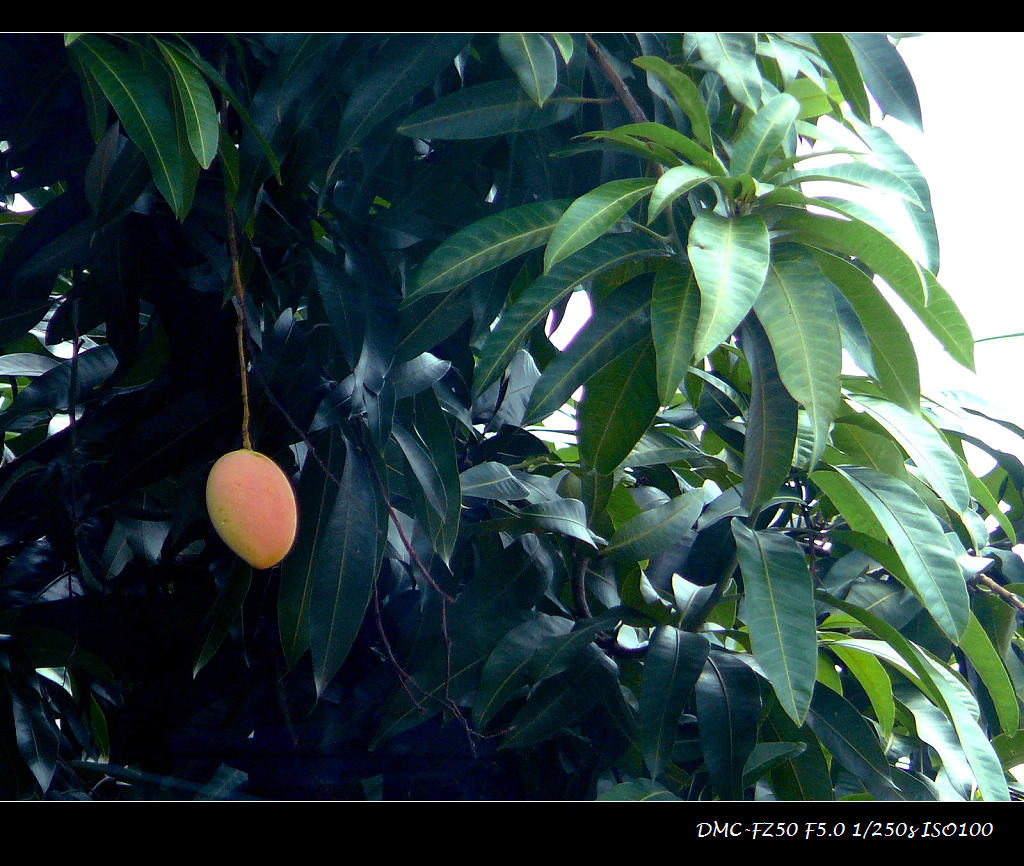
730 258
618 407
485 110
780 613
483 246
346 565
533 60
674 661
141 102
728 708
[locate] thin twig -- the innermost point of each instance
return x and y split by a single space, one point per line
627 98
998 589
239 287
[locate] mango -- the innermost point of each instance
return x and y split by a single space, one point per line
252 506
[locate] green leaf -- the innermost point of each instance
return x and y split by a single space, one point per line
489 109
675 308
484 245
637 790
37 737
728 709
929 301
567 517
917 536
591 215
779 611
798 313
533 60
886 75
771 422
763 135
559 701
990 668
346 566
935 728
507 669
492 480
926 446
853 742
944 689
733 57
896 160
410 63
838 55
225 610
316 492
433 431
806 776
892 351
619 404
685 93
657 530
730 259
542 294
142 105
619 323
872 676
673 662
673 183
857 173
196 101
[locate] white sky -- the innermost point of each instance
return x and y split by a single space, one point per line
968 154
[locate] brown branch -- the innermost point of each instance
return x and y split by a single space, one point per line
236 279
996 588
624 94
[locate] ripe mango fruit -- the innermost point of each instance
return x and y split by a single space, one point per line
252 506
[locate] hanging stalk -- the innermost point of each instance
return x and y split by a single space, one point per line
239 287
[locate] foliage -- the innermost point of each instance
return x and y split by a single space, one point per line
691 555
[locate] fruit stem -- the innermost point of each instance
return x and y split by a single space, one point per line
236 278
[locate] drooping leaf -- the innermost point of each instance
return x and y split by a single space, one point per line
733 56
675 308
728 707
674 661
853 742
886 75
410 63
919 288
730 259
798 314
142 105
607 431
771 422
685 93
892 351
346 566
872 676
533 60
925 445
836 50
923 548
316 492
198 108
779 610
